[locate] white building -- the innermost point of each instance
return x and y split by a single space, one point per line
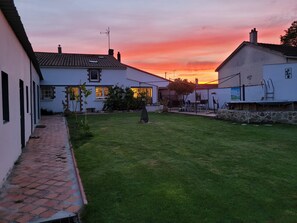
281 81
245 64
19 88
64 70
251 73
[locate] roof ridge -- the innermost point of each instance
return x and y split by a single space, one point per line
149 73
83 54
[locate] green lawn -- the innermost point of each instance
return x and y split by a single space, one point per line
186 169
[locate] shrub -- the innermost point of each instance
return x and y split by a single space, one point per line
121 99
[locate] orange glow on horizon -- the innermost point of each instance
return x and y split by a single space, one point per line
181 40
204 71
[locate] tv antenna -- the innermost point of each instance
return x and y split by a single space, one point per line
107 32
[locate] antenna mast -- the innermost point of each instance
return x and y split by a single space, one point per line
107 32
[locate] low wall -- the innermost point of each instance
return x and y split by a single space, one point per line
289 117
154 108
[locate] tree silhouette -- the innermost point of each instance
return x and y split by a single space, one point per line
290 38
182 87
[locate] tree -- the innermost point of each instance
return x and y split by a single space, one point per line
182 87
290 38
85 93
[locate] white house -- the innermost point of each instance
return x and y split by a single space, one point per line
64 70
243 76
19 88
281 81
245 64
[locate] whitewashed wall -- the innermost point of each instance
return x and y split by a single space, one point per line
15 62
254 93
285 89
248 61
221 95
61 77
142 79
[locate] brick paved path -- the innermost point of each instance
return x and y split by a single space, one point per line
43 183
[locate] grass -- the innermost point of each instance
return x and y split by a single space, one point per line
186 169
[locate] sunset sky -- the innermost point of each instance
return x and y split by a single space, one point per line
184 38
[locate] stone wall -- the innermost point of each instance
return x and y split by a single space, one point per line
289 117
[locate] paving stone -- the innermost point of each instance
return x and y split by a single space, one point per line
47 214
25 218
28 208
43 183
73 209
52 195
51 204
38 211
40 202
31 192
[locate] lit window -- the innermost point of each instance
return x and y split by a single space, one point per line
94 75
47 92
74 93
101 92
143 92
140 91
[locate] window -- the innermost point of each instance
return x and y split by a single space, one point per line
288 73
34 102
47 92
143 91
94 75
101 92
38 101
74 93
27 99
5 97
139 91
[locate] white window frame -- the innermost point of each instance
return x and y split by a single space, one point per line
102 92
50 94
95 72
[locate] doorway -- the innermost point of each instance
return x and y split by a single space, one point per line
22 112
73 99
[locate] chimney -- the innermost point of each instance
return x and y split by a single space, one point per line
119 57
254 36
59 49
110 52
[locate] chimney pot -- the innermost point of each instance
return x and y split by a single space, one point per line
254 36
59 49
119 57
110 52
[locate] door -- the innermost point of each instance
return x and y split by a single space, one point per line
73 99
22 112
